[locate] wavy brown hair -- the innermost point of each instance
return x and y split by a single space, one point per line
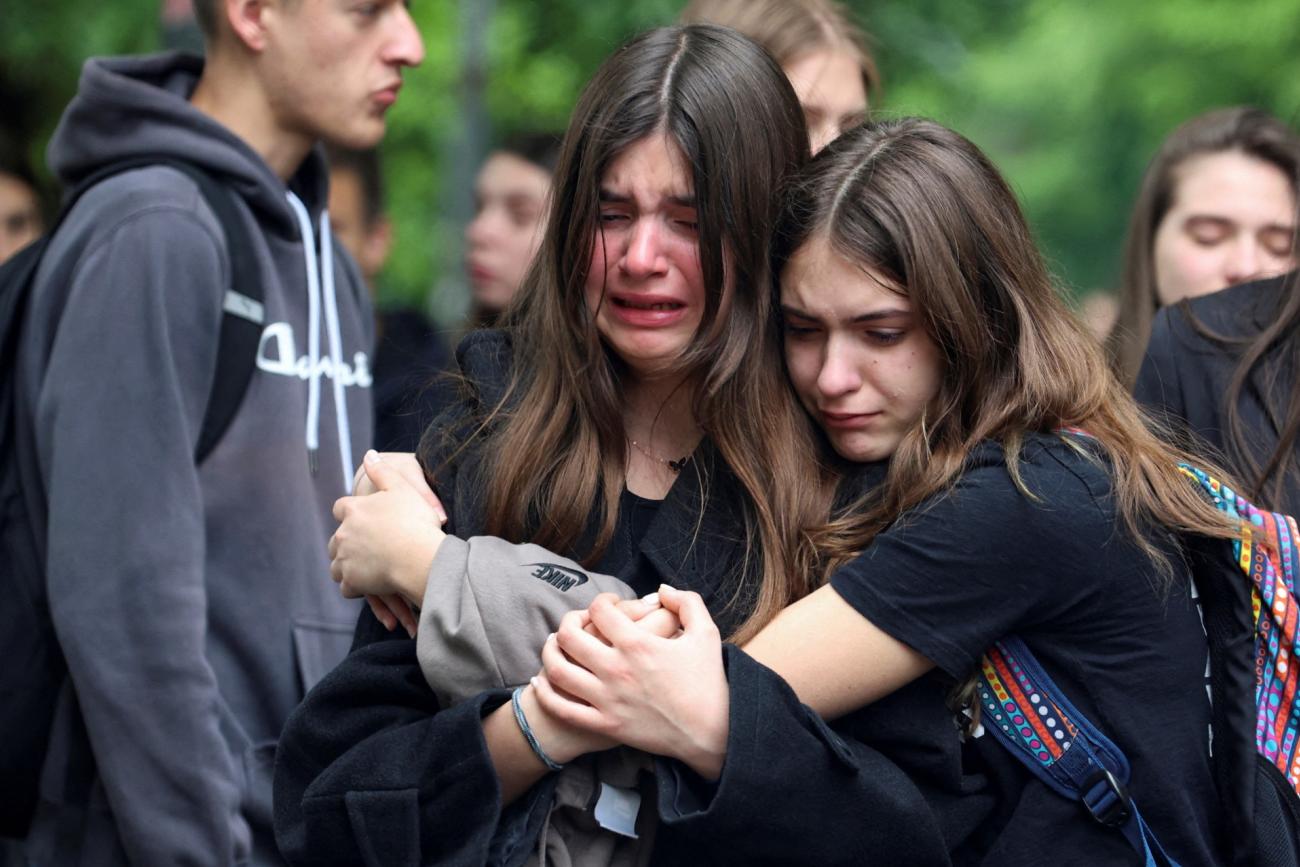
556 450
1241 129
922 206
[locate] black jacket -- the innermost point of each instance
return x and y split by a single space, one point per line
371 770
1185 375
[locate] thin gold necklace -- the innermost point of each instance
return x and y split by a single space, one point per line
676 466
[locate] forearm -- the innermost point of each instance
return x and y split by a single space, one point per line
133 638
517 767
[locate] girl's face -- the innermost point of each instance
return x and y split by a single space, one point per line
509 220
829 85
645 288
1232 220
858 356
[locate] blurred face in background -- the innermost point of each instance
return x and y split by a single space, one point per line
509 220
367 239
20 215
1231 220
829 85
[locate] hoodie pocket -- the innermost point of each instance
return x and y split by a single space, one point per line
319 646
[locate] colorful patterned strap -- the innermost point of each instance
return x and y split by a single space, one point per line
1266 551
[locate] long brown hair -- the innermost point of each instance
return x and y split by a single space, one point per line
1250 131
791 29
925 208
557 449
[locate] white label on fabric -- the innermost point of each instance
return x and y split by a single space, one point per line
616 809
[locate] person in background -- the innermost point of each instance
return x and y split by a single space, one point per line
1216 208
826 57
21 220
192 603
510 201
410 355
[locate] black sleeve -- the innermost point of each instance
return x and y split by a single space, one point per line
793 791
1158 386
983 560
370 770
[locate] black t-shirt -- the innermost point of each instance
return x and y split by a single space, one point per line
624 558
984 561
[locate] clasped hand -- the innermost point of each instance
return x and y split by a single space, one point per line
634 682
389 532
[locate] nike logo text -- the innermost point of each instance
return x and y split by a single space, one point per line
559 577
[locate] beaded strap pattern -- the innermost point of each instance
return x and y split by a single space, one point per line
1266 551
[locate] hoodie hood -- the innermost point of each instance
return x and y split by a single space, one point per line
139 106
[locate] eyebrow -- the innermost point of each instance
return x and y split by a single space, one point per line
607 195
872 316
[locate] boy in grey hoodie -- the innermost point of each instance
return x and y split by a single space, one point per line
193 603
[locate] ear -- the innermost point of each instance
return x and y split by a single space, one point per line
246 20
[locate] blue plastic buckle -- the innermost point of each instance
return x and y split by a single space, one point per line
1106 798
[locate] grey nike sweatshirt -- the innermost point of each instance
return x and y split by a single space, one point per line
193 604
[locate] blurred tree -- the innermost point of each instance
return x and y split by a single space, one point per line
1070 99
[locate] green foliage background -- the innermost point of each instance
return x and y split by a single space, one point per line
1069 98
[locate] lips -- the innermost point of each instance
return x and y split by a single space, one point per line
634 303
387 95
645 310
847 420
479 274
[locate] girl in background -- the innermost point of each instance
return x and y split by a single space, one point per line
826 57
1216 208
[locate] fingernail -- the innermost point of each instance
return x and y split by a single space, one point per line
532 681
372 457
650 599
410 630
551 637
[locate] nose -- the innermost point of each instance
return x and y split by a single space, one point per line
479 230
838 376
1245 262
644 255
406 47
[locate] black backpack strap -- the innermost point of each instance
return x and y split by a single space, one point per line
243 313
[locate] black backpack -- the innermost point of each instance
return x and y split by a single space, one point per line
32 669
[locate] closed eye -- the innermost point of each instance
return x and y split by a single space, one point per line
885 337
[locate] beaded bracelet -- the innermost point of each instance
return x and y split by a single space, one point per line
528 732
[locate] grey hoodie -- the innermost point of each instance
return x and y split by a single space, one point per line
193 604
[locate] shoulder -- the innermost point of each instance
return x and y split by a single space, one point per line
1241 311
486 359
1236 312
152 205
1054 477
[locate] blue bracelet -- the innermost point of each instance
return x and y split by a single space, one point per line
528 732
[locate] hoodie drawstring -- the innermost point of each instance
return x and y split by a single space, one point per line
336 349
315 275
